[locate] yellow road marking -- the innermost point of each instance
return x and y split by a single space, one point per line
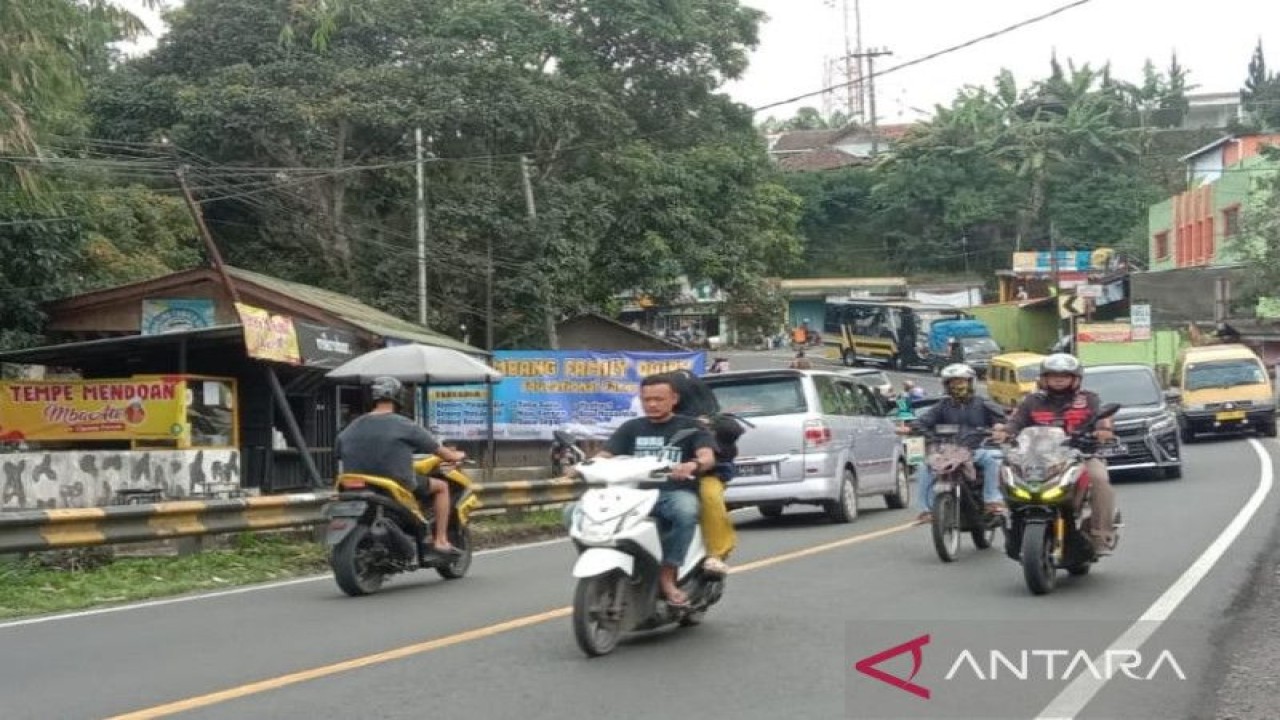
201 701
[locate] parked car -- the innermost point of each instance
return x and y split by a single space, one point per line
819 438
1223 389
1146 426
875 379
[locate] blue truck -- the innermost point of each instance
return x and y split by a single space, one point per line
961 341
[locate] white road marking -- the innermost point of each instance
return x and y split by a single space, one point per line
233 591
1073 698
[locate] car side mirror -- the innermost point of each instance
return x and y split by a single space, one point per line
1172 395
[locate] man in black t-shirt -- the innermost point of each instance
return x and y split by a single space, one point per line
382 443
691 457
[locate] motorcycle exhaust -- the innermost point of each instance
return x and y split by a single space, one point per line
404 544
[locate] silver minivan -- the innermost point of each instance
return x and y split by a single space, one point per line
819 438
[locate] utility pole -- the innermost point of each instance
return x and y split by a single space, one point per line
422 229
870 56
531 209
273 380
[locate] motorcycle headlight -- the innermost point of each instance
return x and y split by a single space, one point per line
1053 493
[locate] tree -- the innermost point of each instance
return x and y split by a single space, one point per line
1260 96
642 171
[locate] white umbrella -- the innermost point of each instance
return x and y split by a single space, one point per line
417 363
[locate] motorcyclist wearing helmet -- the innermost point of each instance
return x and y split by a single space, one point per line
962 407
1061 402
382 442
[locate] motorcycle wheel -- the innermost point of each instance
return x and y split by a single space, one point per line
351 564
946 527
596 634
983 537
461 539
1037 559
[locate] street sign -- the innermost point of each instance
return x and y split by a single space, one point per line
1070 306
1089 291
1140 320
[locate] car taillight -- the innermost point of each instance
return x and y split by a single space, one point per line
816 432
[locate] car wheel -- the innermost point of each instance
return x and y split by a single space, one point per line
1268 430
770 511
844 509
847 357
901 495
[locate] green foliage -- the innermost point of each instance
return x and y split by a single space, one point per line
1258 246
642 172
1260 95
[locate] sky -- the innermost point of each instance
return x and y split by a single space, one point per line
1214 40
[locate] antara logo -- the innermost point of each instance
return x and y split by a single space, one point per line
867 666
1060 665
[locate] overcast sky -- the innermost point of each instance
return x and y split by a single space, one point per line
1214 40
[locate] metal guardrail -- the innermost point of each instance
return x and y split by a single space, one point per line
34 530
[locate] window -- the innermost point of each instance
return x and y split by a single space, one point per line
1161 250
761 397
1231 222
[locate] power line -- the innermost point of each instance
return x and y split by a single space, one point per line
933 55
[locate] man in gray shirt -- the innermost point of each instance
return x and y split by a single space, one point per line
382 442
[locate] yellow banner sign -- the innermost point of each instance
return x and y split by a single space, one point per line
269 337
129 409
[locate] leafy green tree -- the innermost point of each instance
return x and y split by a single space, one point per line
1260 95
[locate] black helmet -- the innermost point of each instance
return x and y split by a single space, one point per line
386 388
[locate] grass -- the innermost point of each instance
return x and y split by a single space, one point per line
75 580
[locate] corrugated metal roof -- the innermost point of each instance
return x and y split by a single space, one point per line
353 311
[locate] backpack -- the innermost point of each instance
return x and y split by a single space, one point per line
697 400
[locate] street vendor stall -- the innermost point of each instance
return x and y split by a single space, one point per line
82 443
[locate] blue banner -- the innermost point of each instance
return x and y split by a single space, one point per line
543 390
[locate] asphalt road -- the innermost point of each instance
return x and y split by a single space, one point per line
809 601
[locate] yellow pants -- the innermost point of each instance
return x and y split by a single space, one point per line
717 527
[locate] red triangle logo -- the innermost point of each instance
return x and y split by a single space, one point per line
867 666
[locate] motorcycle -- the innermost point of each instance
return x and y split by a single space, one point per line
1045 485
565 452
620 556
377 528
957 494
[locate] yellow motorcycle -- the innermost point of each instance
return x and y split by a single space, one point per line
377 528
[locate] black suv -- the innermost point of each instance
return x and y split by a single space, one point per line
1146 425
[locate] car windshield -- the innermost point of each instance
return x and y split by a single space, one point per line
980 344
1028 373
760 397
1224 374
1127 387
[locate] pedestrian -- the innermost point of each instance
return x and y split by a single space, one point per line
800 362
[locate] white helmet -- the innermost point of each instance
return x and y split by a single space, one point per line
958 371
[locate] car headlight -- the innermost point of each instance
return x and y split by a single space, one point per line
1161 425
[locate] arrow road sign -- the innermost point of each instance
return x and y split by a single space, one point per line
1072 306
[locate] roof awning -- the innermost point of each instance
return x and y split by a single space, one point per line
69 354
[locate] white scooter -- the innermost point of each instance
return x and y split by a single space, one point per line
621 555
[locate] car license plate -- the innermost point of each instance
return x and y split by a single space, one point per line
1231 415
755 470
1113 450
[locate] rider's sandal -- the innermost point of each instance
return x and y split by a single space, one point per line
448 551
680 600
715 566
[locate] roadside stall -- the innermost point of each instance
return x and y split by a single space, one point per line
84 443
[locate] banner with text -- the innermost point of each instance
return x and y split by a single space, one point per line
127 409
547 389
269 337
